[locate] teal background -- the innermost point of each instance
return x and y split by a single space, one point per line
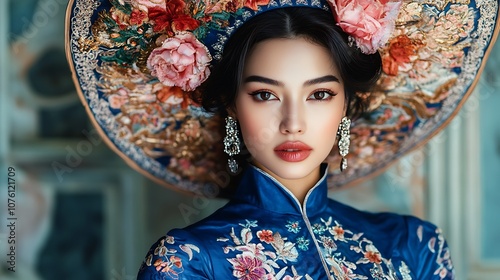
490 156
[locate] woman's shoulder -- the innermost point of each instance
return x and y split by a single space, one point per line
183 253
370 218
398 229
419 242
177 255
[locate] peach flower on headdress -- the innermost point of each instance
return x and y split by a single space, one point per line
180 61
369 22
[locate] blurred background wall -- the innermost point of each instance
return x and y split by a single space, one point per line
81 213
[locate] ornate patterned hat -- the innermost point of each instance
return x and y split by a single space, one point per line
138 63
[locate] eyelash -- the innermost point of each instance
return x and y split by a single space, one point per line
330 95
257 97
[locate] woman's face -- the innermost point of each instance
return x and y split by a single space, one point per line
289 106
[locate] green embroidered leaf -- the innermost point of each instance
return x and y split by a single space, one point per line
122 57
221 16
200 32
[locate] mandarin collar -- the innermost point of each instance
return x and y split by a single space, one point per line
259 188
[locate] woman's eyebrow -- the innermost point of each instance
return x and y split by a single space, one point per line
324 79
260 79
264 80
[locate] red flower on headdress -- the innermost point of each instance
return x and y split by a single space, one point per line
137 17
174 96
401 50
369 22
253 4
173 18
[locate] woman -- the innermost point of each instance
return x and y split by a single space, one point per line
298 74
286 77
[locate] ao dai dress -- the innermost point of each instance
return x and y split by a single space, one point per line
265 233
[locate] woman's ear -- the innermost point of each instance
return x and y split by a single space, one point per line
231 111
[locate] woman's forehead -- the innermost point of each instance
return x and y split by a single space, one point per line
278 58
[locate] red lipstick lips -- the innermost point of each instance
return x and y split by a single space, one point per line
293 151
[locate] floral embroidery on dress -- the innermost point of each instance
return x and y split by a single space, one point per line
167 261
269 255
405 271
369 254
437 246
255 261
318 228
293 226
303 243
265 236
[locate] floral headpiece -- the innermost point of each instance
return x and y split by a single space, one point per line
185 28
137 63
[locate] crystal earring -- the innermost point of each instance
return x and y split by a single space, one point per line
231 143
344 141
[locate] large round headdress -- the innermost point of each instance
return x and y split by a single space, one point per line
138 63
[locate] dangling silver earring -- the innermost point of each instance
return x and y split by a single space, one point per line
344 141
231 143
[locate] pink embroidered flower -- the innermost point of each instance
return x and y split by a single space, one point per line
116 101
181 61
247 267
369 22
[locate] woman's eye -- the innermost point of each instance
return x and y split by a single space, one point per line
321 95
263 96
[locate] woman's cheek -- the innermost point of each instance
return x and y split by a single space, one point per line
256 128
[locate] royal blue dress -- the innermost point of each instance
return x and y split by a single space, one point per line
265 233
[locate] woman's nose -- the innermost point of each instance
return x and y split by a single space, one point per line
292 120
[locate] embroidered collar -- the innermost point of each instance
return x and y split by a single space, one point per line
259 188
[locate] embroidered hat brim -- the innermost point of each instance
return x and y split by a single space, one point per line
431 64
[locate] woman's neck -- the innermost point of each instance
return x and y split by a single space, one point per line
298 187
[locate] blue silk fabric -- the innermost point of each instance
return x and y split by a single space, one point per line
265 233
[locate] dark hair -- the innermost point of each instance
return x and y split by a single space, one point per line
358 71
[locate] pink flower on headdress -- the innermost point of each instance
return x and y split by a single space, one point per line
120 98
145 4
181 61
369 22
